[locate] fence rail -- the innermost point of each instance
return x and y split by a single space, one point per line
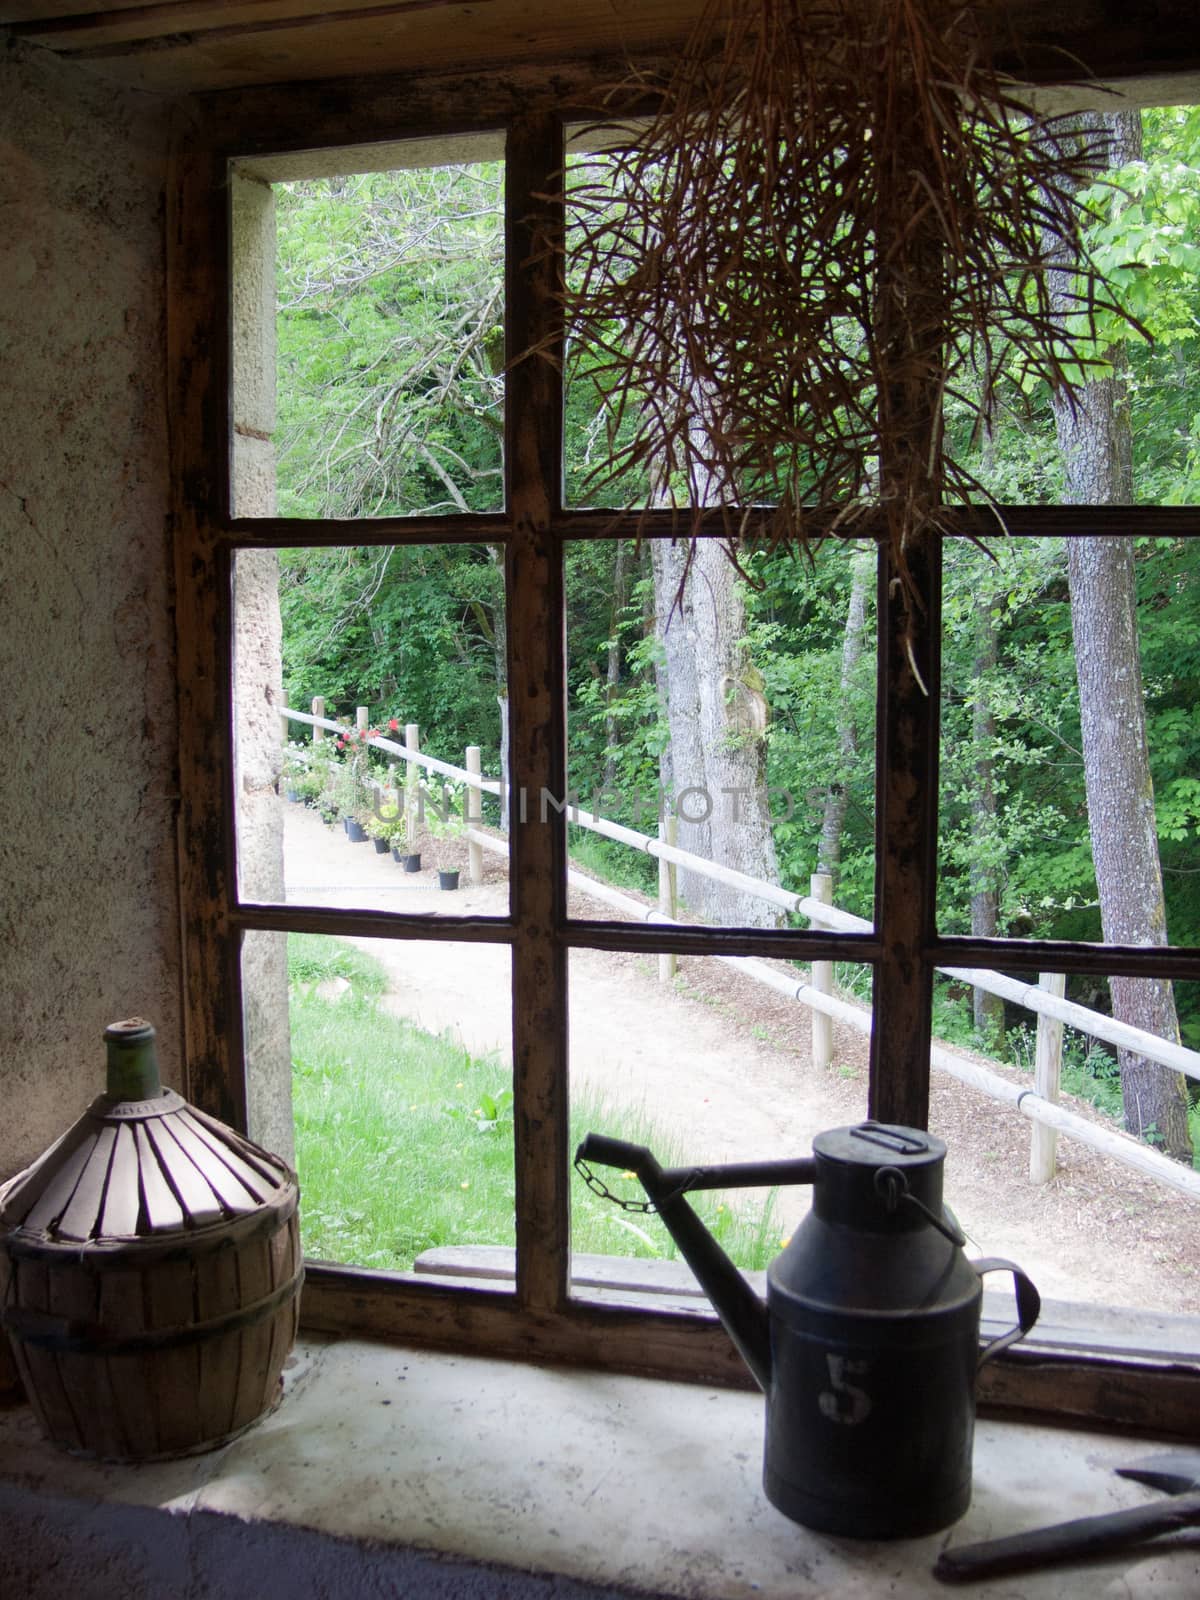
1038 1104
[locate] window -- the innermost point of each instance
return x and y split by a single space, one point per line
235 917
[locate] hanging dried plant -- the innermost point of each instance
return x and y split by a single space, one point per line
837 216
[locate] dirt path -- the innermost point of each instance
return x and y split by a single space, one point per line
726 1065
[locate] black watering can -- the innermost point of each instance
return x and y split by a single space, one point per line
868 1344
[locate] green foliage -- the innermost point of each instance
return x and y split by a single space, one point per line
390 400
404 1141
612 862
390 343
314 958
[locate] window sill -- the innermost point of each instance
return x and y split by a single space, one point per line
424 1473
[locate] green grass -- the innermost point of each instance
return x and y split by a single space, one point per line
405 1142
612 863
315 958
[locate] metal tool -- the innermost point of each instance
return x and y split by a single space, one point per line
868 1343
1178 1472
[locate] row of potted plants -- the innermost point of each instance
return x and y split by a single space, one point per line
334 777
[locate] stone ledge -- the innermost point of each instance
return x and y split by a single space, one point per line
399 1472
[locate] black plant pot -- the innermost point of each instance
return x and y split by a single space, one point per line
398 856
413 863
355 831
381 847
447 880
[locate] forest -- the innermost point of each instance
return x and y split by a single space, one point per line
755 686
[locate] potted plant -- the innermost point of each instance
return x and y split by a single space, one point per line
351 789
333 797
386 824
444 821
294 772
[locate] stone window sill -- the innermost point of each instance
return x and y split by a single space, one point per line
393 1471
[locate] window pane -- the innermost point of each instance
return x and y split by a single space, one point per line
706 1064
736 712
1070 745
401 1087
374 387
378 640
1083 1224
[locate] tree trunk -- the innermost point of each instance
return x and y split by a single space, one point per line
1120 798
681 765
715 769
733 726
1095 438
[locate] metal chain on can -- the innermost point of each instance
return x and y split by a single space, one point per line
598 1186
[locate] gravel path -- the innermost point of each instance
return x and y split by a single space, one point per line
726 1065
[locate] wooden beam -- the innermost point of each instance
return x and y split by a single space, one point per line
906 835
537 704
189 46
198 404
145 25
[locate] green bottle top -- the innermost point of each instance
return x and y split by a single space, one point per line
132 1061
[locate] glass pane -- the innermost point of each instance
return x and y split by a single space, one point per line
1070 778
374 385
1083 1223
1131 437
706 1063
596 433
401 1087
341 802
732 715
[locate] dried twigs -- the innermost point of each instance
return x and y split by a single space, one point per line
837 215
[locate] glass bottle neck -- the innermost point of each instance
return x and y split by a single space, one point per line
132 1061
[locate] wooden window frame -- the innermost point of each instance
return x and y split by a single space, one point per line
538 1318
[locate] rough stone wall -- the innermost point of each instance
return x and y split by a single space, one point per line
89 921
258 668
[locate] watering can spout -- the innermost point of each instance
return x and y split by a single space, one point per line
743 1315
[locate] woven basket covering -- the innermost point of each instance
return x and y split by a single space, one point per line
150 1271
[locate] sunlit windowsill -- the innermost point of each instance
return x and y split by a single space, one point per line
423 1473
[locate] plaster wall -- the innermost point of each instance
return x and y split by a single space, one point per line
258 667
89 920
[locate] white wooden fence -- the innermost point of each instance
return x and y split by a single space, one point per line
1045 999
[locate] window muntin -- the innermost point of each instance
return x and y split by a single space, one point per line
902 953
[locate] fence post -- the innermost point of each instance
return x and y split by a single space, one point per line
318 710
473 807
1047 1070
821 888
412 739
668 832
361 720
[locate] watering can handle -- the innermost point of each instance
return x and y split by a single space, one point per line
1029 1303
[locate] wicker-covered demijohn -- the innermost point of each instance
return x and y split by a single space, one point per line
150 1270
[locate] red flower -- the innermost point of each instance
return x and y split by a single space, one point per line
341 744
393 725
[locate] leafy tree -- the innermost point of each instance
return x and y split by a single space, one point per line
390 343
